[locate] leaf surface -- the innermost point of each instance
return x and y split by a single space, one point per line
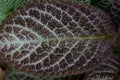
7 6
13 74
56 37
107 70
115 13
103 4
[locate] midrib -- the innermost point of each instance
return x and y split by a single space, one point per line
103 37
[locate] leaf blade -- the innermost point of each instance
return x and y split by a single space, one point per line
38 39
108 70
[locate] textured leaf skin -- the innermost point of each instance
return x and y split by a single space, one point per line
107 70
83 1
7 6
13 74
49 37
117 76
115 16
103 4
115 13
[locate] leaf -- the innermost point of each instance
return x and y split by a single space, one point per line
116 48
56 38
115 13
107 70
14 74
103 4
7 6
83 1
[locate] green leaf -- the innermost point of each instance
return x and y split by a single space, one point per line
7 6
102 4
